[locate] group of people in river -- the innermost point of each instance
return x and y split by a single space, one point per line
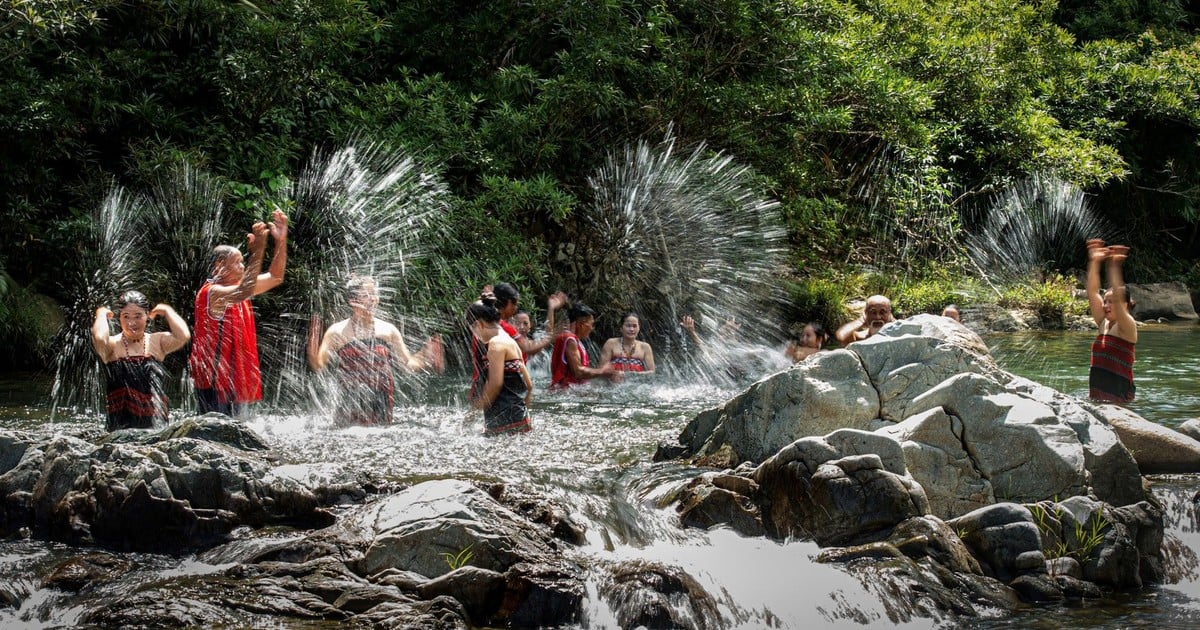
225 371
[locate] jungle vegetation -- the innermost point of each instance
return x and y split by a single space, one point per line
882 126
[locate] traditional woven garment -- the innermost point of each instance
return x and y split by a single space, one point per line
136 398
1111 377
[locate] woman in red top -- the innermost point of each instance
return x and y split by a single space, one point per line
569 362
224 359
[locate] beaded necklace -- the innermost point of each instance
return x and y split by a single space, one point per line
145 345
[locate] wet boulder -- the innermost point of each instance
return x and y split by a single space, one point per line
1169 300
1114 547
911 356
1004 539
837 490
157 492
1157 449
824 393
653 595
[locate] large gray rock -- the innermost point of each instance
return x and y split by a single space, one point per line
828 391
912 356
1156 448
997 424
958 417
1115 478
822 489
1170 300
937 458
1004 538
427 526
1118 547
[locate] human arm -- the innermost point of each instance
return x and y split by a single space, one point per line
1096 252
528 386
433 355
317 348
221 296
177 334
849 332
274 275
1126 326
649 358
101 330
606 353
497 355
580 371
689 324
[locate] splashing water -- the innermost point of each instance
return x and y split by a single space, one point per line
1035 226
360 210
670 235
149 243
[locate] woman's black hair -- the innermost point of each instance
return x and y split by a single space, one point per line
132 297
1128 296
579 311
505 293
819 331
484 310
630 314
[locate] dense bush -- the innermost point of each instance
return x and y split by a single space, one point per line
876 124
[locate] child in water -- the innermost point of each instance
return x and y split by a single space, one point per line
1111 376
812 339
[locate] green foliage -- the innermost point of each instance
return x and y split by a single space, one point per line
817 299
1052 298
460 559
931 294
1062 539
28 323
874 123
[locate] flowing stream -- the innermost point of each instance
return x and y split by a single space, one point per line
591 450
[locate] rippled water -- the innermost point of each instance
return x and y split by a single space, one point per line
592 450
1164 372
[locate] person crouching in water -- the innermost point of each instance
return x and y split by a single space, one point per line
366 348
133 368
1111 375
569 363
503 389
626 353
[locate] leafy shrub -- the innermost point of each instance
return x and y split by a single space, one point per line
1052 298
928 295
818 299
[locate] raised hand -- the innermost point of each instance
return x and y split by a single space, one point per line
279 225
257 238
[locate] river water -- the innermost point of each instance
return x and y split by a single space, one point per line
591 450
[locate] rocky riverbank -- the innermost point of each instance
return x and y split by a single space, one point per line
916 464
913 452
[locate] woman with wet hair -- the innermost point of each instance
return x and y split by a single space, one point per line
502 387
569 362
366 348
132 358
1113 353
626 353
